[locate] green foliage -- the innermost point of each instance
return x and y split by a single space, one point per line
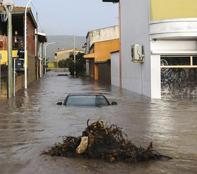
79 66
63 63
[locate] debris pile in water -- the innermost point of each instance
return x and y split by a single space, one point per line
101 141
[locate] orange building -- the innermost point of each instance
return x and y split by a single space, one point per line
99 57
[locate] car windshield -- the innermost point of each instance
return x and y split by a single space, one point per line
97 100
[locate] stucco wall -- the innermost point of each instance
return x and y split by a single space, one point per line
115 69
155 77
135 29
103 49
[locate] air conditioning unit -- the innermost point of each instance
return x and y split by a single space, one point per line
137 53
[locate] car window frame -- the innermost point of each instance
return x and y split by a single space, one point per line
67 97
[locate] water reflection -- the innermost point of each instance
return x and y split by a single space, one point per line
32 122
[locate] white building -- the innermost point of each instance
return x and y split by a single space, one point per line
166 29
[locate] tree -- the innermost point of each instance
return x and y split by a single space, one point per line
63 63
79 66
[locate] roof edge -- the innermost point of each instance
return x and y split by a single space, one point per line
113 1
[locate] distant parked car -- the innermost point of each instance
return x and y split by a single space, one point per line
95 100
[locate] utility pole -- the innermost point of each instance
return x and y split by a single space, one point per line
8 5
10 70
45 55
74 48
0 72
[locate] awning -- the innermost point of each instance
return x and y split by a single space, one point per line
42 37
114 1
89 56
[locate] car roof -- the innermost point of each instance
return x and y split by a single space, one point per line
85 94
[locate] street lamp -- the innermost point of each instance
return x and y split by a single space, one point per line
45 59
74 48
25 43
8 6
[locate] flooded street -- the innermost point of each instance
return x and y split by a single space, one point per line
32 123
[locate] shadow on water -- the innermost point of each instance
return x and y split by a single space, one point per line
32 122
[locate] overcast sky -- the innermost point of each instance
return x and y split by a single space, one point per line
68 17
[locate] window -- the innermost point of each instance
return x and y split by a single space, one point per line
179 61
195 60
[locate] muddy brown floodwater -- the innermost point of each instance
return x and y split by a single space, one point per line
32 123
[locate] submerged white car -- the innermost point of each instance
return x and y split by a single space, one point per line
95 100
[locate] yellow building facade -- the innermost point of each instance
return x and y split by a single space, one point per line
101 53
52 65
172 9
4 55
